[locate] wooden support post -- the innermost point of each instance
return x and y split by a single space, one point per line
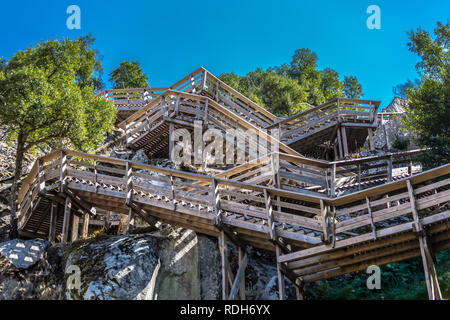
95 176
324 215
410 165
204 80
281 285
389 169
371 143
372 224
417 225
434 291
63 174
224 256
240 276
66 220
171 141
205 115
344 141
128 183
269 212
108 220
53 219
216 203
333 181
359 176
75 227
85 231
172 193
241 254
177 104
341 151
130 221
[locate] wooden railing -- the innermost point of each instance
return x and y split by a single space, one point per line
402 208
183 109
339 110
200 82
219 198
169 189
332 178
131 99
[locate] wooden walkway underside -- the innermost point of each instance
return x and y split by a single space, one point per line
315 237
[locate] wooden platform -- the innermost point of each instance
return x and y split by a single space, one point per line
315 236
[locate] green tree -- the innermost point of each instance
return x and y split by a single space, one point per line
428 112
352 88
128 75
331 86
47 101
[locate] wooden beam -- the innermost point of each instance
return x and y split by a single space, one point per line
224 257
130 221
371 142
240 276
85 231
281 285
241 254
75 227
344 141
66 220
434 292
53 219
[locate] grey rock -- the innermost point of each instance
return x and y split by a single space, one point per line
24 253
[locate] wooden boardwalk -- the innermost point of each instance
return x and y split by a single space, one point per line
314 237
322 215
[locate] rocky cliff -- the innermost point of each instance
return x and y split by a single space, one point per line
173 263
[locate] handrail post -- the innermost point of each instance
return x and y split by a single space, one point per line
128 183
216 203
63 175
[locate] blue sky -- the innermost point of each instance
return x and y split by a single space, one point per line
173 38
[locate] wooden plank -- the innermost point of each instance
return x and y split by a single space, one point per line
75 227
281 285
240 275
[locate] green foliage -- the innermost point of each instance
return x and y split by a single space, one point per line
400 90
48 96
288 89
400 143
353 88
401 280
128 75
428 113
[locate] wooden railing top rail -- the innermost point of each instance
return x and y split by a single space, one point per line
323 106
256 106
341 200
211 103
329 164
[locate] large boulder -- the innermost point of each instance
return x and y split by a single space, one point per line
30 269
170 264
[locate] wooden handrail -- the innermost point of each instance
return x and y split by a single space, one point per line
427 175
323 106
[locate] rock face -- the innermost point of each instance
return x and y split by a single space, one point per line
163 265
30 269
390 131
170 264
